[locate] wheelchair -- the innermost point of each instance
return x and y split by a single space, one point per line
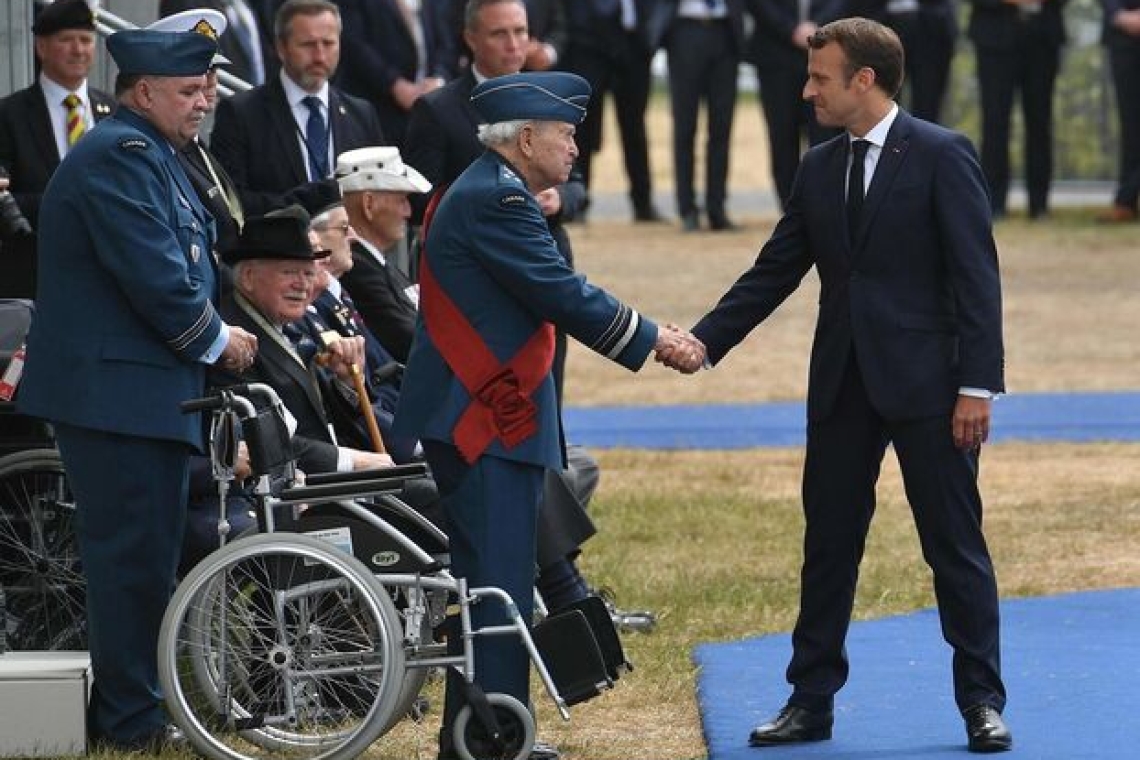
40 574
312 636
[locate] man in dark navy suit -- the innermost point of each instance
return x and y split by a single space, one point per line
394 52
34 125
895 218
778 48
124 329
478 392
609 47
276 139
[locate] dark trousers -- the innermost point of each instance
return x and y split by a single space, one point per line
928 38
131 495
492 509
1031 69
1124 57
702 67
844 454
624 71
790 119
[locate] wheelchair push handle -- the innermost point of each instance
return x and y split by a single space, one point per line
236 397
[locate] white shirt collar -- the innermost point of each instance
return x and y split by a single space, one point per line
877 135
294 94
375 252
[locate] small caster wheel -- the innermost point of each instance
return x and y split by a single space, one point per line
516 731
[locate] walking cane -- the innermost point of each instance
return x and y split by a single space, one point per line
366 409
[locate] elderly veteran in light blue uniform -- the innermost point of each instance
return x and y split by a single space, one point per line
477 389
123 331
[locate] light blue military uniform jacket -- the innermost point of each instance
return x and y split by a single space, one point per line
123 307
490 250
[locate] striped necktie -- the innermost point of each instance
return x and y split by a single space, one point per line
76 126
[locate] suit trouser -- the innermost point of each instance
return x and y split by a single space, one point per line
1124 58
492 509
624 72
789 118
844 454
1030 68
131 494
702 66
928 39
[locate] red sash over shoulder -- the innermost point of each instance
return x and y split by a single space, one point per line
501 405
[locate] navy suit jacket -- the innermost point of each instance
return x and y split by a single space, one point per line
255 138
771 45
378 49
917 297
126 314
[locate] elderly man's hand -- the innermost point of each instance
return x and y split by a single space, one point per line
239 352
341 354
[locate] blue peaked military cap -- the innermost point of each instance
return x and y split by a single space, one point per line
168 54
539 95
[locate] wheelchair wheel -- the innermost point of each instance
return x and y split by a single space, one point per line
281 645
516 725
39 556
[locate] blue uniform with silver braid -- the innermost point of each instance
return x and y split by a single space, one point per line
490 252
124 323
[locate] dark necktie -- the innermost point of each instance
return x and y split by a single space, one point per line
855 186
316 138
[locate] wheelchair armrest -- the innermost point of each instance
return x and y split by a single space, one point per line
404 471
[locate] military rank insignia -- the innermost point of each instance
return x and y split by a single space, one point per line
514 199
133 143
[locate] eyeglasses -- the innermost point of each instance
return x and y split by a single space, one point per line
341 228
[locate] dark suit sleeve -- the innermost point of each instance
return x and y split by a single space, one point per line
776 273
10 116
960 202
425 148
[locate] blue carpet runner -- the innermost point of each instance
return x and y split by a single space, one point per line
1071 665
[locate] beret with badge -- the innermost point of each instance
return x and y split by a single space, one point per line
536 95
64 14
204 21
169 54
379 169
282 234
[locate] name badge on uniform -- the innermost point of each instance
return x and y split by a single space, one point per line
195 252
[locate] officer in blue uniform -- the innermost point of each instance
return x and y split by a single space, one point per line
123 330
477 388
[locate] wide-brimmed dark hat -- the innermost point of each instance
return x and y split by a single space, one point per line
280 234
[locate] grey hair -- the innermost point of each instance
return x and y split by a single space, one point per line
501 132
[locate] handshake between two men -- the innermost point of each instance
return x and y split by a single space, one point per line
679 349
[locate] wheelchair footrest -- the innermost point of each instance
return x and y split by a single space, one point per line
571 654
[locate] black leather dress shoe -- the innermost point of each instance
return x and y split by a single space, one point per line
793 724
985 729
540 751
722 224
647 213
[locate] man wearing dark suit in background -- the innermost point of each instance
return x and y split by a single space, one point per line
705 42
241 45
928 30
277 138
608 47
895 219
34 125
778 48
1018 46
394 52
